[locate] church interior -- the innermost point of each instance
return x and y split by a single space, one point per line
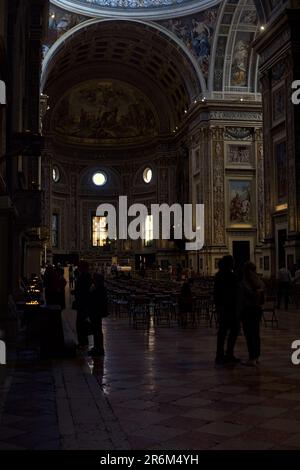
167 103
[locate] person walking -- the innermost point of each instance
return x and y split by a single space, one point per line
251 299
82 291
225 298
98 309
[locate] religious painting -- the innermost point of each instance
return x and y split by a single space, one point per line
104 111
278 105
241 202
197 33
60 21
281 172
241 59
278 71
239 155
249 17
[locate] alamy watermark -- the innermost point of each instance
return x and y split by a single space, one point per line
166 222
2 353
2 92
296 93
296 353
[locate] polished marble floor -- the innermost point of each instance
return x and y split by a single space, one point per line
156 390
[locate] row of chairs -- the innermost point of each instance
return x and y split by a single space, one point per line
164 311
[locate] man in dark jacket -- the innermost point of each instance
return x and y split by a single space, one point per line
225 297
98 310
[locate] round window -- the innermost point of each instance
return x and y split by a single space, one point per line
55 174
148 175
99 179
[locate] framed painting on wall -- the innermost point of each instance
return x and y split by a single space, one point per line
241 202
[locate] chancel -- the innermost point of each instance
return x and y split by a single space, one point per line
149 225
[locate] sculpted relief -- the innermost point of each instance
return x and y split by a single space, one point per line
104 110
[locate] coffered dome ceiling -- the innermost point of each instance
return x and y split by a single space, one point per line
139 55
135 8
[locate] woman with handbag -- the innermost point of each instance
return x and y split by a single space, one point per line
251 299
98 310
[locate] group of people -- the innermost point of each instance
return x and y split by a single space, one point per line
238 303
90 300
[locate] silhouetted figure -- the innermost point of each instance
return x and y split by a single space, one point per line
98 310
251 299
82 292
76 274
51 284
71 277
61 288
185 302
284 284
179 270
225 297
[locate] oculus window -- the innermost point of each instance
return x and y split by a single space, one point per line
99 179
55 174
147 175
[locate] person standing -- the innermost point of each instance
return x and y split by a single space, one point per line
284 284
98 309
82 291
51 285
225 298
185 303
179 270
61 288
251 299
71 277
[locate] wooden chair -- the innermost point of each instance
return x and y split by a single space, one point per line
269 312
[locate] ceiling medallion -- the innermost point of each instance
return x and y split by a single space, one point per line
150 9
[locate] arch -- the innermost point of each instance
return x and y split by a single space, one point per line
49 59
143 54
237 28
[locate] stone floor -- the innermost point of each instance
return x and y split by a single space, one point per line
156 390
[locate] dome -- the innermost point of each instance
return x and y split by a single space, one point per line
135 8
